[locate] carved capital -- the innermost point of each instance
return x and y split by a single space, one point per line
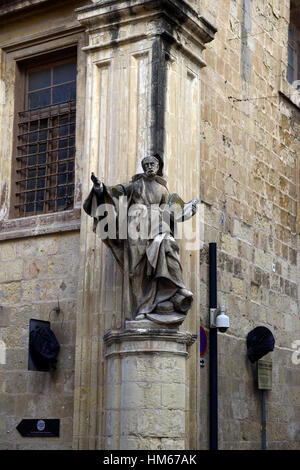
147 339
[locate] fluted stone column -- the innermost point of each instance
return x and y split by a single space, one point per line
144 59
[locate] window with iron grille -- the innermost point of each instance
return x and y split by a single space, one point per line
44 173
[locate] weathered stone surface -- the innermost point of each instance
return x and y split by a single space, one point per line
147 390
152 423
140 395
153 368
257 156
30 290
139 443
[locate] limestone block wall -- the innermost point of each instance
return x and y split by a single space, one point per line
36 273
38 255
249 186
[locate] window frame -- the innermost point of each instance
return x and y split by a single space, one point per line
16 52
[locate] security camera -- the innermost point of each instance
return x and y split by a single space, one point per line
219 320
222 322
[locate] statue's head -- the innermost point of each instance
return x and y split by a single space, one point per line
152 165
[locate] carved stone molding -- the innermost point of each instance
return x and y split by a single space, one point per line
116 22
142 331
14 6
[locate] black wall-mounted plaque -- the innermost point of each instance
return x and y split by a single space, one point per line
35 362
39 427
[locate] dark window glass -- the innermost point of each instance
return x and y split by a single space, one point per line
30 197
62 179
42 158
291 56
29 207
63 143
32 160
62 191
64 73
39 207
40 195
290 74
33 137
38 80
63 154
64 93
41 183
33 126
61 202
39 99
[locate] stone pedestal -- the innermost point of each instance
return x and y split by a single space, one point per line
146 387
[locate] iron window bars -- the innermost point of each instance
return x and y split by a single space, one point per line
46 143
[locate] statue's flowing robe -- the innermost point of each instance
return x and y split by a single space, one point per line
151 263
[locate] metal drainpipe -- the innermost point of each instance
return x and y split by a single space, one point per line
213 352
263 422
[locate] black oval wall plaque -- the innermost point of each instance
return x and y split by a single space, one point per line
39 427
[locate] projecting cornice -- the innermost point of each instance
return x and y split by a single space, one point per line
176 20
11 7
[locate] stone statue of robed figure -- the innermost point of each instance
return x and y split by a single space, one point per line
137 221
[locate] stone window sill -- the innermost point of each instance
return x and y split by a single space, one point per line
40 225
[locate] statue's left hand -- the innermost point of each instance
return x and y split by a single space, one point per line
194 206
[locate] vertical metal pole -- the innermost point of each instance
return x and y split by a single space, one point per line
263 422
213 351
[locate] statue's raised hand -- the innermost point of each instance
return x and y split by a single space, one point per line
194 206
97 182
